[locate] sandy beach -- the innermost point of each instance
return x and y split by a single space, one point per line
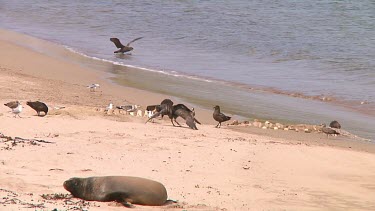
231 168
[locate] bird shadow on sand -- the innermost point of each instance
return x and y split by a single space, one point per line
182 126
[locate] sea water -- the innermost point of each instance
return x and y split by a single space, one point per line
270 59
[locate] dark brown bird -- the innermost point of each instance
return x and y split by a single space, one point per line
12 104
220 117
38 107
335 124
123 48
166 108
329 131
180 110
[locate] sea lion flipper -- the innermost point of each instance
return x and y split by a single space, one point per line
127 204
120 197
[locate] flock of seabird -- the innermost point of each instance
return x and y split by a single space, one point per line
165 108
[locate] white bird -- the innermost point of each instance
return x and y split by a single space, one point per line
149 114
109 107
16 111
139 113
93 87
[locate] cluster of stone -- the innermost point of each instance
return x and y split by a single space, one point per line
278 126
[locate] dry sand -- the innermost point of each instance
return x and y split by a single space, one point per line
209 169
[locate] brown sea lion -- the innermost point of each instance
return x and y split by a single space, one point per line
122 189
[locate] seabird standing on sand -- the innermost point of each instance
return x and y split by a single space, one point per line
220 117
17 110
335 124
123 48
129 108
329 131
15 106
93 87
166 108
38 107
109 107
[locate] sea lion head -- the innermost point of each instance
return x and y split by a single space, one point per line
74 186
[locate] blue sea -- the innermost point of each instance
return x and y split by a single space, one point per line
292 61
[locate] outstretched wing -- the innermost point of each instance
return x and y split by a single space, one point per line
184 112
134 40
117 42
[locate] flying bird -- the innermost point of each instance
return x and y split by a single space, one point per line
12 104
180 110
335 124
93 87
220 117
123 48
38 107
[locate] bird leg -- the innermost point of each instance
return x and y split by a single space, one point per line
176 122
217 125
152 117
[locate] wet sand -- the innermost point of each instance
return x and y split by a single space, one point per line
232 168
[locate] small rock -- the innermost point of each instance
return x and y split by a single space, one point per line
246 122
235 122
264 127
307 131
280 126
257 124
275 128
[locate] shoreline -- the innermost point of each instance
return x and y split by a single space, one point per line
232 168
259 106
